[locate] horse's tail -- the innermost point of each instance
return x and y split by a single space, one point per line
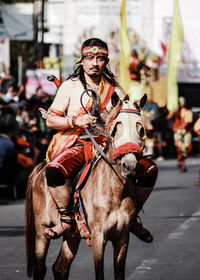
30 232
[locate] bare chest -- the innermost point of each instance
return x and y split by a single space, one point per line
78 101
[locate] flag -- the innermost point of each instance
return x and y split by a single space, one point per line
124 79
174 58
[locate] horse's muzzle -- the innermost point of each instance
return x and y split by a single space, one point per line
128 165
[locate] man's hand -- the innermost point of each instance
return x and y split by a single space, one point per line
85 121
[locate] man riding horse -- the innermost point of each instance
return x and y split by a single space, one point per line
66 156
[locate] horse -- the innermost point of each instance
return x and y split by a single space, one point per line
108 201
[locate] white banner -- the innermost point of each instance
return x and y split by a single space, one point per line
151 19
16 21
96 18
54 21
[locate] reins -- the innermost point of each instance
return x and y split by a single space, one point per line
94 112
97 145
101 151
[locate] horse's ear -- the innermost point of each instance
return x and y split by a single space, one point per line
139 104
143 100
114 99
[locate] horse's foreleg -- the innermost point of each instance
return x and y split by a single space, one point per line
41 248
98 247
120 252
67 253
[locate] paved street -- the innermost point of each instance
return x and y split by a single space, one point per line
172 214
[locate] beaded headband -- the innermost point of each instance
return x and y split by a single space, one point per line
94 50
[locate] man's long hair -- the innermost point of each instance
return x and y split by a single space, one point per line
78 68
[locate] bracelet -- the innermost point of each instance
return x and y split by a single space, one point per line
74 120
53 112
71 121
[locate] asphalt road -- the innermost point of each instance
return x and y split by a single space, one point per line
172 214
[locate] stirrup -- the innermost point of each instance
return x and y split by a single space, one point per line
64 213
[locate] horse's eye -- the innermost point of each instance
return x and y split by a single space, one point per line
140 130
117 131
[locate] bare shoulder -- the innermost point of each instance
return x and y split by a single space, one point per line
120 92
64 93
67 86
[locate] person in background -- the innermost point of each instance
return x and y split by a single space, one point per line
22 115
8 157
196 128
1 87
39 99
21 93
134 66
25 164
11 94
150 115
182 124
164 139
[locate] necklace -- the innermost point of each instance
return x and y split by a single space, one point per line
93 88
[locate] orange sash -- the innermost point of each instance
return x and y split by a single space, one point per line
180 117
66 138
197 127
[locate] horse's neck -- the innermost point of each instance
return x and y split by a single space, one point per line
109 152
112 171
105 188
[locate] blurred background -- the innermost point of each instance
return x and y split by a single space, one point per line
47 35
43 37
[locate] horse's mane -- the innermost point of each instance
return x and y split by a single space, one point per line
113 114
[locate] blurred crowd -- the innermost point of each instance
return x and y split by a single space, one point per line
159 142
170 134
24 137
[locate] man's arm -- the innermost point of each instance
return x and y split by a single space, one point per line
56 117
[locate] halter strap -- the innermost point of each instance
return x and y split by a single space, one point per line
132 111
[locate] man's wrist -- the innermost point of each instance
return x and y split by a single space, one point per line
74 120
71 121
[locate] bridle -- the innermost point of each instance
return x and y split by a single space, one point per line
94 112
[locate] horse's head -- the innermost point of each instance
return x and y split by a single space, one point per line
128 132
